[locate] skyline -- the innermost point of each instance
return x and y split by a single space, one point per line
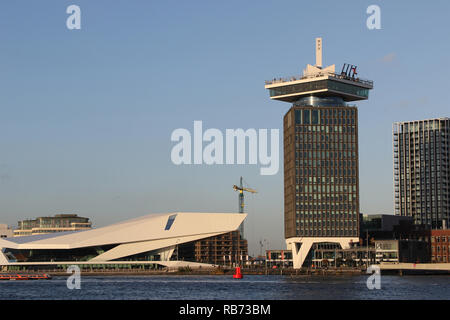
87 114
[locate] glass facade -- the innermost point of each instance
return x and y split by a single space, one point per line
348 88
299 87
421 171
321 172
58 223
337 86
54 255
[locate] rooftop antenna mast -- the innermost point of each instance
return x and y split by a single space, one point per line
319 53
317 70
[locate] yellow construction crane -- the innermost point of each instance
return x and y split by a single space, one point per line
241 190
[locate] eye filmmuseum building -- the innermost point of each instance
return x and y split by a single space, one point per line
156 240
321 180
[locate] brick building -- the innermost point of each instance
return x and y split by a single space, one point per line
440 246
225 249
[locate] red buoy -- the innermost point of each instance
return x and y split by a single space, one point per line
238 274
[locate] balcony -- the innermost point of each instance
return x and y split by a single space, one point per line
336 76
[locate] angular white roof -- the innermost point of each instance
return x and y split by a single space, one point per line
147 228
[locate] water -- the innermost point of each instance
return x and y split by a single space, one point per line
252 287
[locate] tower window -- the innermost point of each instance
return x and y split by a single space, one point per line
306 117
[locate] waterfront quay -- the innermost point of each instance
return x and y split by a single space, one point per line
120 268
139 269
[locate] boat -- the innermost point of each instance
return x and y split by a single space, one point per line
23 276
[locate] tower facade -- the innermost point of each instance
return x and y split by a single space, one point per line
321 170
421 171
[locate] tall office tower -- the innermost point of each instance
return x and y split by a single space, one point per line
321 187
421 171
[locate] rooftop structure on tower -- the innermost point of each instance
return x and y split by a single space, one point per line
321 82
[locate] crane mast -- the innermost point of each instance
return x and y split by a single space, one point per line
241 190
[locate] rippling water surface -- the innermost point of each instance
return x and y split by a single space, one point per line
254 287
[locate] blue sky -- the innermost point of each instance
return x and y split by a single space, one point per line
86 115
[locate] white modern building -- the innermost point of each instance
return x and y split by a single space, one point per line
151 239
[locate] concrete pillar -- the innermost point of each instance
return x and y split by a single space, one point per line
300 247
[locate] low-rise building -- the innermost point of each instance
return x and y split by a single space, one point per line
279 258
440 245
381 222
396 251
5 231
58 223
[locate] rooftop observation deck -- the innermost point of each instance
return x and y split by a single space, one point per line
290 89
334 75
